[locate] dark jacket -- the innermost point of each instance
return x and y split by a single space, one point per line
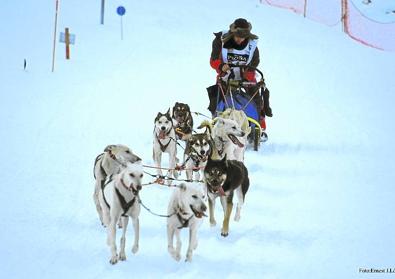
216 56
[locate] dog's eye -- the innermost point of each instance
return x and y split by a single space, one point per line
127 151
167 122
234 127
132 175
203 197
141 175
194 196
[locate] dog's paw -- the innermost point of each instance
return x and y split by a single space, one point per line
174 254
135 248
237 218
114 260
122 256
177 257
224 233
213 223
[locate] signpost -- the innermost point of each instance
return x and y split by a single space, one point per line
121 12
68 39
102 12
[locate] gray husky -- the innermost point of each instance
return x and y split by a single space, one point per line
222 178
197 151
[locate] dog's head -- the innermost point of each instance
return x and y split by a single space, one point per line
163 124
228 128
215 174
122 153
181 112
132 176
192 198
200 144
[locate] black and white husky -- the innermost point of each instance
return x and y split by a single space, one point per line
119 200
165 142
197 151
185 210
222 178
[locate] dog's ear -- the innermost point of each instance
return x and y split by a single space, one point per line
168 112
183 187
187 106
109 147
224 161
159 115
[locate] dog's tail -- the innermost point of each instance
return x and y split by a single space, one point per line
206 124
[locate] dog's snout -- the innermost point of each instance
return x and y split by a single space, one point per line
202 152
243 134
163 128
203 207
139 187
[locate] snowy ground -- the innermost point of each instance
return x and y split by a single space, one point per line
321 198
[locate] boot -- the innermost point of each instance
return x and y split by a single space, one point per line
266 103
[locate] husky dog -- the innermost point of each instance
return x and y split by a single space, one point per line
109 163
197 151
222 178
119 200
182 121
224 134
165 142
186 208
241 118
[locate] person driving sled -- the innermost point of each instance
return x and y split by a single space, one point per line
237 46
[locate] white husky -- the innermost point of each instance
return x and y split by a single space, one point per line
110 163
225 134
186 208
241 118
119 200
165 142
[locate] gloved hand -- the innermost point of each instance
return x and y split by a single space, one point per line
224 67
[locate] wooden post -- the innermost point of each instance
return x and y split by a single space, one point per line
344 15
54 35
67 41
102 12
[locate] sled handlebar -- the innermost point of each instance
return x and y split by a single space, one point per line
248 68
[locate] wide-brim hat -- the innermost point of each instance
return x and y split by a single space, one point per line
240 28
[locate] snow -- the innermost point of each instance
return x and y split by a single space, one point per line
320 203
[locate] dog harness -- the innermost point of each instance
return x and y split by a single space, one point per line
104 183
162 146
125 205
184 222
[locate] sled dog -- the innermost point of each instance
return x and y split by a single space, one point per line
197 151
182 120
222 178
109 163
165 142
186 208
119 200
241 118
